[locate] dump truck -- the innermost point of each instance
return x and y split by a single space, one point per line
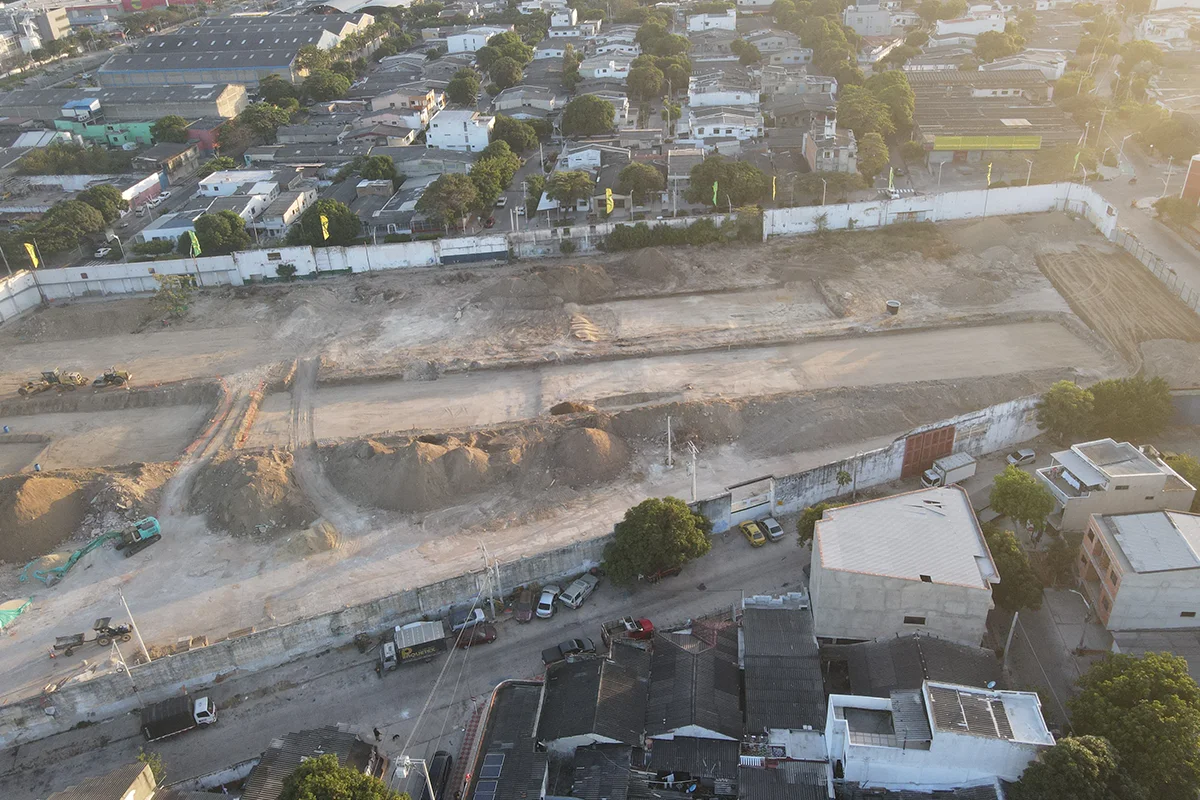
176 715
626 628
416 641
949 470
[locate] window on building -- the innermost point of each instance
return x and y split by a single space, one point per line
1121 487
1112 577
914 620
83 276
1105 604
1091 536
926 579
1082 558
1149 497
1187 614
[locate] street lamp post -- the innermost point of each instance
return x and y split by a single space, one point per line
824 186
1086 617
940 165
407 764
1121 151
1029 172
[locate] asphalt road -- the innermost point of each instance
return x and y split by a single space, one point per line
341 686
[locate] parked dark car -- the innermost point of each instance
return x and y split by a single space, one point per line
523 608
480 634
669 572
439 774
568 649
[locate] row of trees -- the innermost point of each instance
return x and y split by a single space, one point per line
1122 408
60 228
68 158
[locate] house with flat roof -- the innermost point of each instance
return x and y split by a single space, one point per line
910 562
940 737
1108 477
454 129
1142 571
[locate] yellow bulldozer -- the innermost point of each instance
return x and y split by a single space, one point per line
53 379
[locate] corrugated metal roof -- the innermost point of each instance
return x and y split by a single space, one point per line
976 713
792 780
702 758
602 772
782 669
1157 541
289 751
597 695
509 743
696 688
931 533
906 662
115 785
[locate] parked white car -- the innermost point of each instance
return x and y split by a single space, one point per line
102 252
545 606
579 591
1019 457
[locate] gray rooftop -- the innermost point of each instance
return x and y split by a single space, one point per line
784 688
929 534
180 93
905 662
109 786
604 696
292 749
1183 643
236 59
694 680
507 749
1157 541
790 780
602 772
708 758
1117 459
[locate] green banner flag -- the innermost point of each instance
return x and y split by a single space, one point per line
714 193
195 243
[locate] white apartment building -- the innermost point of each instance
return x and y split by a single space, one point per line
901 564
453 129
940 737
605 67
725 123
708 22
868 19
226 182
473 39
1107 477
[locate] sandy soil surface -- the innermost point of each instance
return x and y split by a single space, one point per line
490 397
15 457
101 438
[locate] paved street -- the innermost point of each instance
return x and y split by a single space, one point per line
341 686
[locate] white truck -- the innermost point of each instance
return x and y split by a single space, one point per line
949 470
416 641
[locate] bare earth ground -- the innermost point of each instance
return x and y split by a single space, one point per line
699 333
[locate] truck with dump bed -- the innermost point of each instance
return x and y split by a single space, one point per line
416 641
176 715
949 470
626 628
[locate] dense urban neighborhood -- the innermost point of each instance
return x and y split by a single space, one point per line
528 399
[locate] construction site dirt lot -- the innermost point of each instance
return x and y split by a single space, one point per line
771 358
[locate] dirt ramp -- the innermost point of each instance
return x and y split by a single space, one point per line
584 456
37 513
249 494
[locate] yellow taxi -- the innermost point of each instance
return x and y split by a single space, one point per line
753 534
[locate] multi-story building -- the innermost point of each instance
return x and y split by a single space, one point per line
472 39
730 86
460 130
830 150
725 123
868 19
1107 477
1142 571
707 22
905 563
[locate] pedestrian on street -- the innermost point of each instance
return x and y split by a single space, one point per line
378 735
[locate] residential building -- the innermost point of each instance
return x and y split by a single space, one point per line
694 684
827 149
130 782
1107 477
726 21
564 17
512 100
905 20
799 111
954 125
1141 571
472 39
914 561
942 736
619 48
327 158
174 160
973 24
596 700
580 30
460 130
1027 84
385 91
868 19
769 40
285 210
1051 63
606 66
311 134
292 749
781 666
508 757
383 135
710 763
878 668
788 779
712 45
754 6
226 182
112 134
722 123
169 227
418 162
725 87
789 56
874 49
557 47
791 81
126 104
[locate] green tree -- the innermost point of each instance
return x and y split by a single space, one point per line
324 84
569 187
1077 768
807 525
844 479
1137 52
873 156
862 112
916 39
1019 587
221 233
323 778
379 168
1073 84
274 90
655 535
738 183
489 182
1148 707
262 120
171 128
747 53
1065 411
639 180
535 184
893 91
571 62
61 227
105 199
506 73
174 295
991 45
344 225
215 164
1177 212
644 82
1131 408
1021 497
311 58
449 198
518 135
463 88
509 45
1188 468
155 762
588 116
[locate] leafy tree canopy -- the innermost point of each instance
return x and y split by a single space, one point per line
1131 408
569 187
639 180
1065 411
645 81
1077 768
274 90
105 199
655 535
323 778
738 183
216 164
873 155
344 225
862 112
807 525
463 88
324 84
518 135
1021 497
1188 468
1019 587
588 115
171 128
506 73
378 168
221 233
449 198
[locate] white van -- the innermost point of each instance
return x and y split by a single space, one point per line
574 595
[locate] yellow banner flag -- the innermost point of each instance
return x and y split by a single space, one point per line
608 200
772 187
33 259
989 173
324 228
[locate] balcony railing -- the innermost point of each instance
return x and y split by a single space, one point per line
1059 487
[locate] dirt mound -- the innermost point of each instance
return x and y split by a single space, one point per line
320 537
549 287
979 291
570 407
1175 361
37 513
85 321
130 493
251 494
649 264
413 476
583 456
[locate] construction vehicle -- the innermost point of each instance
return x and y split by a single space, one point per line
416 641
113 377
53 379
138 536
176 715
105 634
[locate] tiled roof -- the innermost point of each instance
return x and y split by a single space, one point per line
703 758
288 752
113 785
695 688
604 696
602 772
783 681
906 662
791 780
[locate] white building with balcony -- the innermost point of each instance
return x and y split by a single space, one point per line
710 22
460 130
1107 477
940 737
867 19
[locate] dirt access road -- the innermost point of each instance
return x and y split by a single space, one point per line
490 397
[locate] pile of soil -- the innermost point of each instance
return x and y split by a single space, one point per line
249 494
570 407
1174 360
320 537
86 320
980 291
37 513
129 492
585 456
542 287
649 264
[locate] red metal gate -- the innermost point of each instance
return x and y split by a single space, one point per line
922 449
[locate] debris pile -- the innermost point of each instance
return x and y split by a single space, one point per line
251 494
